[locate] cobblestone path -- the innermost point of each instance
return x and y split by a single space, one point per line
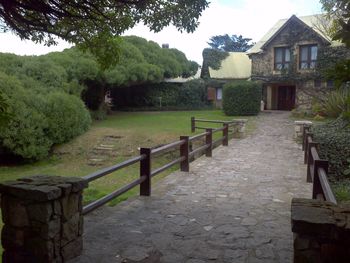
233 207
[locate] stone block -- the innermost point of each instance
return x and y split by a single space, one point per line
41 212
70 229
72 249
14 212
40 249
57 208
70 205
51 229
43 219
12 237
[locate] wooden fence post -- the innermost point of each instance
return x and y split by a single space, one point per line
209 140
306 151
145 170
225 135
316 187
310 160
184 152
305 129
193 124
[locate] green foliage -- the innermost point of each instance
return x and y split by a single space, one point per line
39 120
339 12
60 128
94 25
232 43
336 103
212 58
25 133
241 98
334 139
162 96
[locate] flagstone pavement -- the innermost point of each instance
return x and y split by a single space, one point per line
233 207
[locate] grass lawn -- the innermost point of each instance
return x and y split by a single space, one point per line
124 132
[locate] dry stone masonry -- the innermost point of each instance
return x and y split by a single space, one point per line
299 127
43 219
321 231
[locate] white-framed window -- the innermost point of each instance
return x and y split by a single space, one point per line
219 93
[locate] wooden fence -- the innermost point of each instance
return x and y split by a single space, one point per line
148 154
317 169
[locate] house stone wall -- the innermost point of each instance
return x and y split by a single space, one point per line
293 35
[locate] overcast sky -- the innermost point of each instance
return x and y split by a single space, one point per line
250 18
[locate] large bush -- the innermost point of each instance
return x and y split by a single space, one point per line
241 98
66 117
39 121
334 139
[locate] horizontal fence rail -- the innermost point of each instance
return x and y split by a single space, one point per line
317 169
184 145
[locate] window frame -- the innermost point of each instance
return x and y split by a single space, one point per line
308 61
284 62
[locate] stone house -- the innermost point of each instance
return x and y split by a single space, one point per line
285 61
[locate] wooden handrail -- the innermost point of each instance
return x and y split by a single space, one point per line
317 169
145 159
113 168
163 148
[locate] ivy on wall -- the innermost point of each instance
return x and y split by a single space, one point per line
212 58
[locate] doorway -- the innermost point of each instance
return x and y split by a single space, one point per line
286 98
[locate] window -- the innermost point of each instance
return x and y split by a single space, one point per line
308 56
219 94
282 58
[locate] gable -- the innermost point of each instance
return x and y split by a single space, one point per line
309 23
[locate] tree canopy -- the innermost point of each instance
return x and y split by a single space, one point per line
40 96
93 25
232 43
339 11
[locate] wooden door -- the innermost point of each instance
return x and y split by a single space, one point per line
286 97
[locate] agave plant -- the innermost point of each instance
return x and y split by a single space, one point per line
337 103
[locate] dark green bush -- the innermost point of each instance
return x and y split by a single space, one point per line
67 117
241 98
334 139
24 135
188 95
38 121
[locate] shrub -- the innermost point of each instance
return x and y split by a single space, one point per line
67 117
334 139
39 120
24 135
336 102
242 98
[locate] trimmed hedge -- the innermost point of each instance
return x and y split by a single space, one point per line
334 139
241 98
174 96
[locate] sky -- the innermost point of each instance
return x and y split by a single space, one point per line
249 18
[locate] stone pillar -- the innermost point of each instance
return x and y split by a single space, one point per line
43 219
239 128
299 128
321 231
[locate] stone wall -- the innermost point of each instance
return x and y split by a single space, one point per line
293 35
321 231
42 218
